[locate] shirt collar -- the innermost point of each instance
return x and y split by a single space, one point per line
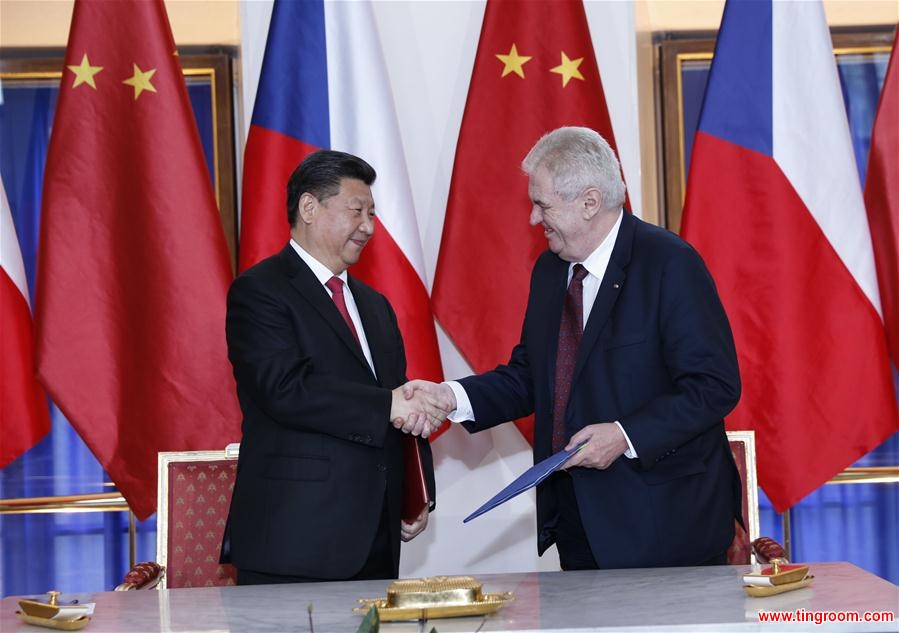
321 272
597 261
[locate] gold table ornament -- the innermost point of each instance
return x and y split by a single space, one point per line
434 597
52 615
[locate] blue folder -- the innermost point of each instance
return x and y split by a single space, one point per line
528 479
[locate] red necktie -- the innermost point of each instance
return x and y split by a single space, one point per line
570 333
335 285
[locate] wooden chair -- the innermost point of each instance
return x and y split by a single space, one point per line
194 496
742 444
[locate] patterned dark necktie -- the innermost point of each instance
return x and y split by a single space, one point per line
570 333
335 285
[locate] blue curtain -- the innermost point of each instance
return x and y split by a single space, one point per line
77 551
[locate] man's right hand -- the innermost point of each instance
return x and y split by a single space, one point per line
439 393
419 411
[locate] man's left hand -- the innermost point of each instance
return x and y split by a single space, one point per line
605 444
409 531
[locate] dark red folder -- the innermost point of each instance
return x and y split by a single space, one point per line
415 492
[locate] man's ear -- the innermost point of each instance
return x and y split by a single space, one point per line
591 200
307 207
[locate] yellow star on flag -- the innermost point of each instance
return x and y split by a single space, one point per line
84 73
513 62
141 81
568 69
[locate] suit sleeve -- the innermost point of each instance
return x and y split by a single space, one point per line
698 351
503 394
280 377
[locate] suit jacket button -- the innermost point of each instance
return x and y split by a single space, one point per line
382 468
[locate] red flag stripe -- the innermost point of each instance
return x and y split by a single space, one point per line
269 159
24 416
791 302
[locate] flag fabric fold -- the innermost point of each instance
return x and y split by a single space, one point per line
774 206
132 264
535 70
882 200
324 85
24 416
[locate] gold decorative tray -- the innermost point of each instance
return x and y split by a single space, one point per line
778 578
62 625
435 597
763 592
52 615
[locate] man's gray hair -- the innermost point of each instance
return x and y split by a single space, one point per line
578 158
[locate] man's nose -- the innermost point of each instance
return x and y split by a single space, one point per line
368 225
536 215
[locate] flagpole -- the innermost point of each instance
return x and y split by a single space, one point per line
788 539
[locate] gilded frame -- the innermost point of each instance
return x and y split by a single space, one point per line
22 65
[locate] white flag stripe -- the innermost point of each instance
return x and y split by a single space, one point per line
363 119
10 253
612 29
820 166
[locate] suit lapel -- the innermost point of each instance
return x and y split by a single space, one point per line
374 330
306 283
609 291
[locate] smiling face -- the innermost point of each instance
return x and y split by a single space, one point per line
566 223
336 229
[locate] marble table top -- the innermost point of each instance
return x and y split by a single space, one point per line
675 599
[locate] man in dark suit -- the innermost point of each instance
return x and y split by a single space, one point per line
626 345
319 359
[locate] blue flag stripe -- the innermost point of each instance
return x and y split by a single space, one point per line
293 86
740 79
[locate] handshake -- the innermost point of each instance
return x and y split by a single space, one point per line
419 407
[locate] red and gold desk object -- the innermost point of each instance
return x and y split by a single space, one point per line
780 577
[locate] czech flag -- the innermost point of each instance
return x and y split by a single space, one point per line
324 85
774 205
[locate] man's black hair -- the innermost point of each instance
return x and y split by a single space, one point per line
320 173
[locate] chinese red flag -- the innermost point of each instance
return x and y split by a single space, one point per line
535 71
132 265
882 200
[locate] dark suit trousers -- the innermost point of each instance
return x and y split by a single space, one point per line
571 540
378 566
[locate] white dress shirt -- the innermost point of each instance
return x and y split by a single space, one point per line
323 274
596 264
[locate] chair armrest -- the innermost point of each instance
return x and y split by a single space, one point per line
142 576
766 549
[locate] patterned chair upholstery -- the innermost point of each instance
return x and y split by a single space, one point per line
742 444
194 496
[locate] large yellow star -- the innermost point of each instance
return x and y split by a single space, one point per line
84 73
141 81
513 62
568 69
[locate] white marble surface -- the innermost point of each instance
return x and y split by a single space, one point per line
683 599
